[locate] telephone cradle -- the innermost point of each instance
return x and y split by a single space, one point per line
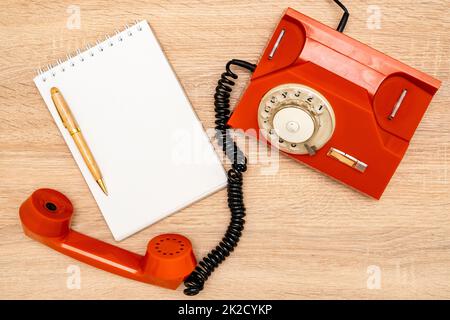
46 217
333 103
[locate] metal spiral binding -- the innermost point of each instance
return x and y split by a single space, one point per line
89 51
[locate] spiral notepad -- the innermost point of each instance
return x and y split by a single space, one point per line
150 146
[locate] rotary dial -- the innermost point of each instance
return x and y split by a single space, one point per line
295 118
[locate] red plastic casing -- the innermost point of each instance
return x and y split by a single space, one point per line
169 258
362 85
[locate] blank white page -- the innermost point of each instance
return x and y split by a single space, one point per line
151 148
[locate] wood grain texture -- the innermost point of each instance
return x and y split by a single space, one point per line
306 236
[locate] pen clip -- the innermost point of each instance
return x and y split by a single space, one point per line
54 92
62 120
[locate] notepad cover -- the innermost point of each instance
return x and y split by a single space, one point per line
151 148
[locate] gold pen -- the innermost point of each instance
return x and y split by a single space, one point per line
72 126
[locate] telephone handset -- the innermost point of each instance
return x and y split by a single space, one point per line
46 216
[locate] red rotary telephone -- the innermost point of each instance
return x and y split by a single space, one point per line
333 103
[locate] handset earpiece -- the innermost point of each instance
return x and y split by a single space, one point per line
46 217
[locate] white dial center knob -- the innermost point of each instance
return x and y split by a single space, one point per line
293 124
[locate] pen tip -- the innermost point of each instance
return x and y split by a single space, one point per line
102 186
54 90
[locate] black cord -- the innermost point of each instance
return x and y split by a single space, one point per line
344 18
196 280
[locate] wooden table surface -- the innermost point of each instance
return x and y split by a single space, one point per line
306 235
